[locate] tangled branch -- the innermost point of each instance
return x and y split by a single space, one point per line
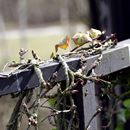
64 110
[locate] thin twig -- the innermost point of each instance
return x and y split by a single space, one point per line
93 116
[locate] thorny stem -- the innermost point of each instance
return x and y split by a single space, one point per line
55 112
91 78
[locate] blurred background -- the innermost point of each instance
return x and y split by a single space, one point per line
40 24
37 25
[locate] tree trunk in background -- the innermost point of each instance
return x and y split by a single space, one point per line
3 42
64 14
22 15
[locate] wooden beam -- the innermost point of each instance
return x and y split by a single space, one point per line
21 80
113 60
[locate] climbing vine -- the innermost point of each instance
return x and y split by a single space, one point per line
63 109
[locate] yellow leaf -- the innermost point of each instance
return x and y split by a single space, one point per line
63 44
94 33
81 38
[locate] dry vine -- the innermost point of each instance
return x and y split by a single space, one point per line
64 113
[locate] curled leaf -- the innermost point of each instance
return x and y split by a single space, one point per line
63 44
94 33
81 38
